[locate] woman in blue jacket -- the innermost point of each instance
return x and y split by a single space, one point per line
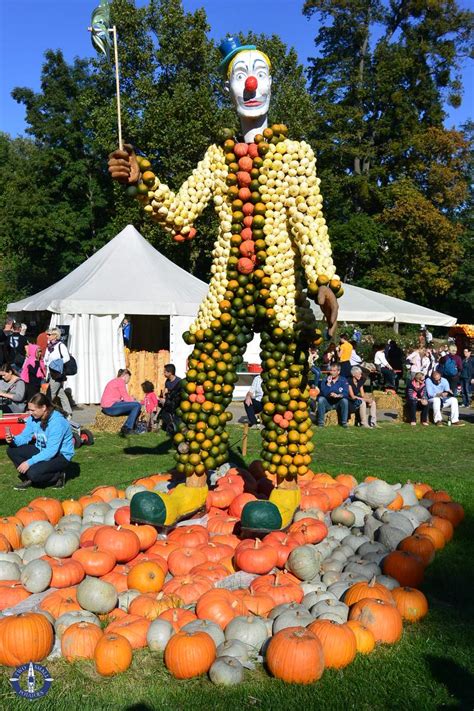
42 452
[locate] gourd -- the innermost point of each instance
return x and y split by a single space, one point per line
251 630
36 533
292 618
226 671
159 634
304 562
96 595
61 544
36 576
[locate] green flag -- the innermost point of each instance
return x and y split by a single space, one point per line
100 26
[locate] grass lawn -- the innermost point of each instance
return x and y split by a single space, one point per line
432 667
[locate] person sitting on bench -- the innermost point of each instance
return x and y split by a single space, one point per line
253 401
116 401
170 402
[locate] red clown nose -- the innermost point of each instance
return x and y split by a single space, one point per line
251 83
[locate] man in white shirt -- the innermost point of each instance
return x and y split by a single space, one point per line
253 400
440 397
382 364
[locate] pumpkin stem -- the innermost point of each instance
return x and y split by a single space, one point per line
372 582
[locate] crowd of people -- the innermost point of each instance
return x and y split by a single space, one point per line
341 380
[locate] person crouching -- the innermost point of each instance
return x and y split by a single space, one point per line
42 452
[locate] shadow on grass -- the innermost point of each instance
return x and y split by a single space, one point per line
161 448
458 681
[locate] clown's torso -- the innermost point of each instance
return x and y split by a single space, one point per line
271 226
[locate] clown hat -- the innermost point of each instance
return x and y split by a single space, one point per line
228 48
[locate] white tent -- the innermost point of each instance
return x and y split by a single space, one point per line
126 276
359 305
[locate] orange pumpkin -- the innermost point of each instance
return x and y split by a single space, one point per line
405 567
451 510
124 544
177 617
183 559
419 545
281 587
212 571
29 514
435 535
71 506
113 654
189 536
365 589
220 606
411 603
132 627
255 557
11 527
146 577
94 561
444 525
5 546
381 618
11 593
151 606
80 640
25 638
60 601
338 642
51 507
365 641
295 655
146 534
66 572
105 493
189 654
188 587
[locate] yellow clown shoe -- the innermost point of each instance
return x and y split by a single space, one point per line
272 515
165 509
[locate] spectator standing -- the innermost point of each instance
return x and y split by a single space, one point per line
253 401
344 352
33 371
384 367
334 396
418 362
55 357
116 401
417 399
13 392
360 401
17 344
150 403
450 367
42 452
467 377
126 332
440 397
170 402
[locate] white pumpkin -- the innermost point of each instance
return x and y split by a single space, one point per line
375 493
371 526
304 562
226 671
309 513
131 490
36 576
332 607
292 618
330 565
399 520
235 648
211 628
70 518
372 547
355 541
420 514
159 634
9 570
10 557
314 597
343 516
338 532
283 607
407 492
331 577
61 544
96 595
117 504
70 618
126 597
390 536
36 533
93 510
389 582
109 518
249 629
363 567
33 553
313 586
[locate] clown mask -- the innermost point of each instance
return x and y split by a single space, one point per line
250 84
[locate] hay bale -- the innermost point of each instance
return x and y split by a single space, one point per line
331 418
105 423
389 401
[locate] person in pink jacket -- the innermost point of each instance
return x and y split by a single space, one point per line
116 401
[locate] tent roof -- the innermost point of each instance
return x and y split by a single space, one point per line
127 275
364 306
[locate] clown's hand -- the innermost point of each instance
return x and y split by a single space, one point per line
123 165
328 304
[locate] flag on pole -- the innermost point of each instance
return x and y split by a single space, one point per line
100 28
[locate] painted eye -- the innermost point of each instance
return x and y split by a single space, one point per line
240 76
262 74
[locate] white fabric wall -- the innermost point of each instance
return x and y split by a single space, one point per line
97 345
179 351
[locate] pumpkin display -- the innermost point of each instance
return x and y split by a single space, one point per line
112 654
24 638
189 654
295 655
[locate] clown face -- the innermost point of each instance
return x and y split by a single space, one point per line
250 84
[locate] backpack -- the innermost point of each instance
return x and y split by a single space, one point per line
70 368
450 368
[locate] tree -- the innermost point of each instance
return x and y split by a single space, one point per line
383 75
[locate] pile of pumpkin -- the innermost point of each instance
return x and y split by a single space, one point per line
340 580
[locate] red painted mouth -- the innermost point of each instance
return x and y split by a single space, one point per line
253 102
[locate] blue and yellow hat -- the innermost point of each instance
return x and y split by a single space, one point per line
229 47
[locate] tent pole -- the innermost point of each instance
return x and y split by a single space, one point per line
395 326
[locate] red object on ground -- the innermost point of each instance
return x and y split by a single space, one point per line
15 421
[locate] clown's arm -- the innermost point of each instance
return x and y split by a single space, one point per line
175 211
310 234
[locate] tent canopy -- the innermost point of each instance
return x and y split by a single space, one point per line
359 305
128 276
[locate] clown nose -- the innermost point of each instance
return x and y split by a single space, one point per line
251 83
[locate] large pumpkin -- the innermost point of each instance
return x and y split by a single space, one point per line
25 638
380 617
295 655
80 640
189 654
146 577
338 642
124 544
411 603
113 654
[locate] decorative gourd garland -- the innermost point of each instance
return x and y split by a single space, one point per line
317 605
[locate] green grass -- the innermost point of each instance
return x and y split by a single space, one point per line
432 667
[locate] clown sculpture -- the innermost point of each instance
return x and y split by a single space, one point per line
272 249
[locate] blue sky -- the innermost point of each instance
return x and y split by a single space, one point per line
29 27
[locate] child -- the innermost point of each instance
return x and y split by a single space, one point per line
150 402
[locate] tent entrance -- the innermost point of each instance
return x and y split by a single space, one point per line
150 333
